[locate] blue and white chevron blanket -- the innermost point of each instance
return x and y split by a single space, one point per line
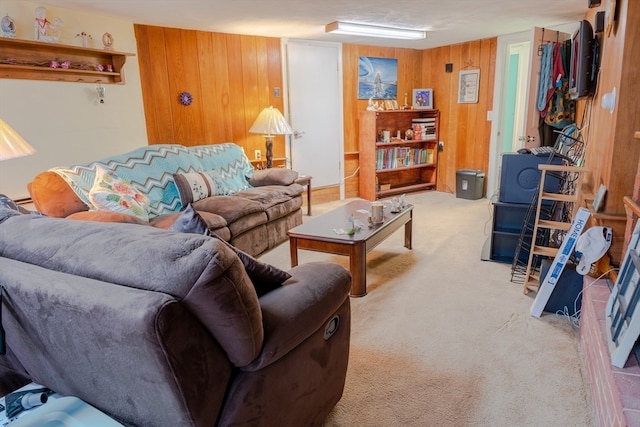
150 169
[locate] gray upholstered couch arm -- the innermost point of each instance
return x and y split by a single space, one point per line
300 307
273 176
137 355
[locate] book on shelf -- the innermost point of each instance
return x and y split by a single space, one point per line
424 128
402 157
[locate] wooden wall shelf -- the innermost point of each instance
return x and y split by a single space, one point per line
26 59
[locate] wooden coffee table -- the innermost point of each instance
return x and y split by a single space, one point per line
318 235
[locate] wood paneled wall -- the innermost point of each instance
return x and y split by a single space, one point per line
612 153
464 128
409 77
231 78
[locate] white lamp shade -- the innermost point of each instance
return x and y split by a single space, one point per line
270 121
11 144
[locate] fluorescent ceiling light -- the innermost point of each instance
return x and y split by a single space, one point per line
354 29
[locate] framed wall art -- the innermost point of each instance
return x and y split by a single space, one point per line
377 78
422 99
468 86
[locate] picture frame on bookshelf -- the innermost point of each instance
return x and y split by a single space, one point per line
423 99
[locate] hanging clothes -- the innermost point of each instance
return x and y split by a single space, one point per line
561 109
546 78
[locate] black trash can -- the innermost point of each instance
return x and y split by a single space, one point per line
469 184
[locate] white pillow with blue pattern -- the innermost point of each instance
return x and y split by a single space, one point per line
196 186
112 193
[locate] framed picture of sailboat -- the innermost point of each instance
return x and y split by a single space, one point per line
377 78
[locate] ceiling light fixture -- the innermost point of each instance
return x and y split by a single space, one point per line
354 29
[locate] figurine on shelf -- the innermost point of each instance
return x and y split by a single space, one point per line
85 38
107 41
370 106
8 27
45 30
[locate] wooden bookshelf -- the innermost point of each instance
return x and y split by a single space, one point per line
400 165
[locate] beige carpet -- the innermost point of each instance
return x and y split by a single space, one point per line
445 339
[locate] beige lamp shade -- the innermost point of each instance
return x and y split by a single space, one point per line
11 144
270 121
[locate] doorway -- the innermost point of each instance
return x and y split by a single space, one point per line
508 130
313 94
515 115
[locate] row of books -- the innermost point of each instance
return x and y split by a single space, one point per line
402 157
424 128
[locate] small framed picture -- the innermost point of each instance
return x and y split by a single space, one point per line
468 86
423 99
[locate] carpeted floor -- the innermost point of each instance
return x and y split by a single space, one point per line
445 339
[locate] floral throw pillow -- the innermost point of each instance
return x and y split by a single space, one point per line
111 193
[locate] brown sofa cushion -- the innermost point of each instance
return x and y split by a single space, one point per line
277 176
263 276
214 222
107 216
240 213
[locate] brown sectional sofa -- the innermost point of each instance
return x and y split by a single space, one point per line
159 328
254 218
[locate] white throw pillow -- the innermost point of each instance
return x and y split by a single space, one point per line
112 193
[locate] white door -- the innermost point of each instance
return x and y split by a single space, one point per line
314 94
510 102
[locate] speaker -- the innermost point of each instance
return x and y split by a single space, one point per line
520 177
599 22
567 293
448 68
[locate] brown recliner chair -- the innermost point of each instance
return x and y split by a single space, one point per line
157 328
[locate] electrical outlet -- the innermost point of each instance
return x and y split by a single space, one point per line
257 154
441 146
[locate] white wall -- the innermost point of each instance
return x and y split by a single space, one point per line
64 121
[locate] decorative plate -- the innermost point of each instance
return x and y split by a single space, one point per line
186 98
107 41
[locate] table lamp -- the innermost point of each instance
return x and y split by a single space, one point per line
270 122
11 144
